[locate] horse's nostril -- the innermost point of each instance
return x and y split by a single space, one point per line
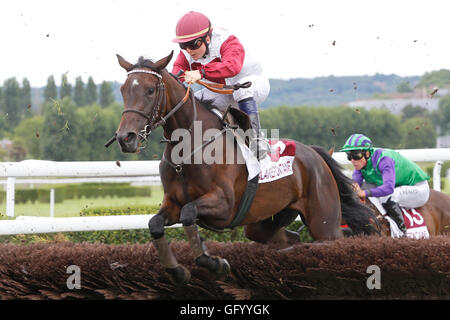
126 137
130 137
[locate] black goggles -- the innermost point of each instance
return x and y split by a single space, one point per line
193 45
355 155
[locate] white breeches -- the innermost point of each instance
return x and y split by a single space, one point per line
409 196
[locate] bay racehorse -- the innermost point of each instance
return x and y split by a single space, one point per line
210 194
435 212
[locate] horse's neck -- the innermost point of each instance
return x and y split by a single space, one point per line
185 116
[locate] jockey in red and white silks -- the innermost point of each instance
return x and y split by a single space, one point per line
216 55
227 62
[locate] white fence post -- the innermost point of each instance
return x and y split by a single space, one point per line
52 203
10 196
437 176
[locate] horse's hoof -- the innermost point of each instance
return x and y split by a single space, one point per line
179 275
214 264
224 267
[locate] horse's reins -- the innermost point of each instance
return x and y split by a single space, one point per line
223 88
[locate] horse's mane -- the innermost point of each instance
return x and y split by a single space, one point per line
145 63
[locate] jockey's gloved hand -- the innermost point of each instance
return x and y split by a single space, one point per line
192 76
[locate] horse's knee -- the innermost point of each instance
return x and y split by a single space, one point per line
156 226
188 214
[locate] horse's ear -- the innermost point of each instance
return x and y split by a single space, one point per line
124 63
161 64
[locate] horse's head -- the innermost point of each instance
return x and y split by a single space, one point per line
144 99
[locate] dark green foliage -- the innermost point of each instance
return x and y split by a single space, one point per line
79 94
419 133
66 88
50 92
11 103
437 79
441 116
91 92
61 130
106 94
75 131
327 127
404 87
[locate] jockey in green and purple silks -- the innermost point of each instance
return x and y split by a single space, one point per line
396 181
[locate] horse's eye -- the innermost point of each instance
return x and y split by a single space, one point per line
151 91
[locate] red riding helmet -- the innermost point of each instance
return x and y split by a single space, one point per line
191 26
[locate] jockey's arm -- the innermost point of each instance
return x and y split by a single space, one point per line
180 64
357 177
387 169
232 59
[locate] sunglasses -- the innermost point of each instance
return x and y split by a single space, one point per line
193 45
355 155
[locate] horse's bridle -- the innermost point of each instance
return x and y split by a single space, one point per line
160 101
157 105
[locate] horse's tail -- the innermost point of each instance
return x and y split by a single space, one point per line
357 216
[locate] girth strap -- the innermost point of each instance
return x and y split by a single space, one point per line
246 202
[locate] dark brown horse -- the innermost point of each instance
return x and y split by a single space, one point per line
210 195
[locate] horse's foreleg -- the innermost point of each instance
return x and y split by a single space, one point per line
178 274
214 264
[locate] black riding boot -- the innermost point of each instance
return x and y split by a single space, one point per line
262 146
394 211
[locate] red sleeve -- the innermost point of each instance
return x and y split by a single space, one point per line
233 55
180 63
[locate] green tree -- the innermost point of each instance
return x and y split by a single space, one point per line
439 79
106 94
419 133
404 87
441 117
18 151
60 131
12 108
66 87
91 92
50 92
331 126
25 92
29 132
98 125
411 112
79 94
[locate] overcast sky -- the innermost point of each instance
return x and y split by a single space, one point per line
291 38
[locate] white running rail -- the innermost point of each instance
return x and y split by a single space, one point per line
42 168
